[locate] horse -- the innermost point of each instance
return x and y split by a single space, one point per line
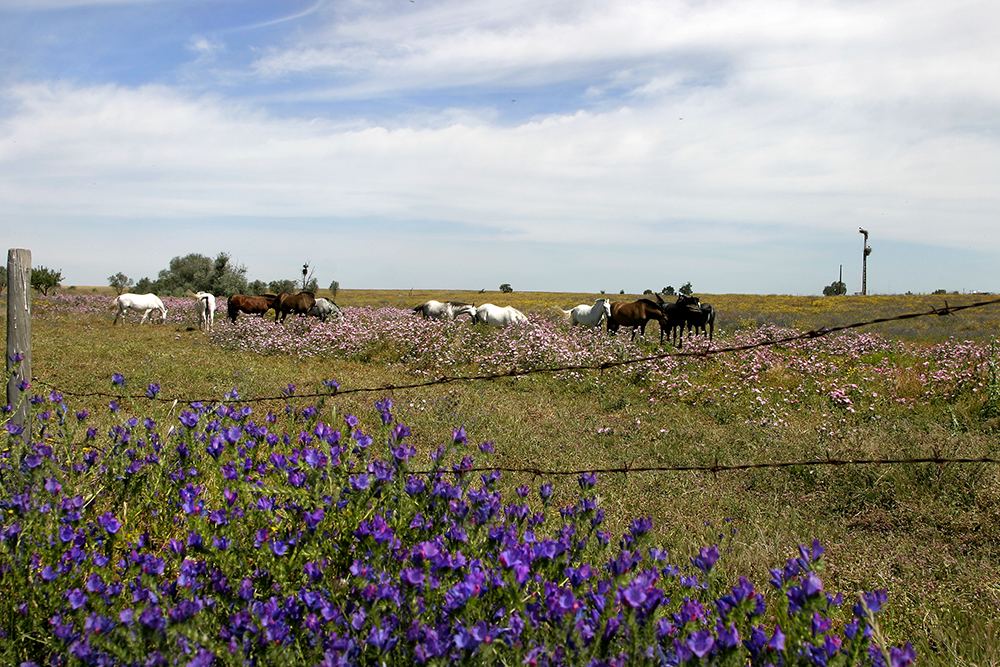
254 305
446 310
590 316
497 316
324 308
205 307
636 315
293 303
700 319
676 315
139 302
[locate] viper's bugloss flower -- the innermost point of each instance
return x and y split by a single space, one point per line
118 379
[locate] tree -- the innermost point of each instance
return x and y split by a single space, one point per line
120 282
621 291
197 273
256 287
669 290
43 279
506 288
686 289
647 292
836 288
334 288
940 291
279 286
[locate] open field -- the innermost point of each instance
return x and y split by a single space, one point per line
928 534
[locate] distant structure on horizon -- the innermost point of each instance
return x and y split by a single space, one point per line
866 250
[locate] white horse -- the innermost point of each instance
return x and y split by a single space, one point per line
146 303
446 310
590 316
205 307
324 308
497 316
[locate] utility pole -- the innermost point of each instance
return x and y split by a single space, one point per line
867 250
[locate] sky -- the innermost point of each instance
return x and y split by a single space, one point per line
460 144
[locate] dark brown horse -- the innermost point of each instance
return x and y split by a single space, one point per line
293 303
636 315
243 303
679 314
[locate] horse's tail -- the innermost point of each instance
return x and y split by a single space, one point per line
567 313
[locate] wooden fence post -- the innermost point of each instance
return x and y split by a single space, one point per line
18 332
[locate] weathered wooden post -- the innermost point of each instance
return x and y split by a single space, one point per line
18 331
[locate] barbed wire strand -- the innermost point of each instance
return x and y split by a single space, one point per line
712 467
513 373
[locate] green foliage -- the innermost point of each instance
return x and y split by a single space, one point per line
621 291
836 288
669 290
197 273
43 279
3 278
279 286
686 289
120 282
334 288
506 288
256 287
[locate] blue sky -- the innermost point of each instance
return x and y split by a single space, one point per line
577 146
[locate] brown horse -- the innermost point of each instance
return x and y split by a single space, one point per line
243 303
293 303
637 315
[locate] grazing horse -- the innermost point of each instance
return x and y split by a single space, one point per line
324 308
677 315
293 303
497 316
445 310
205 307
701 318
636 315
254 305
146 303
590 316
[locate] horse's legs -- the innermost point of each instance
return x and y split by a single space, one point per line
145 315
121 314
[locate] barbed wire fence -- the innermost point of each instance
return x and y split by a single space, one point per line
537 471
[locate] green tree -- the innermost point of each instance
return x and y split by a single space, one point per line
506 288
256 287
836 288
120 282
43 279
197 273
334 288
669 290
686 289
279 286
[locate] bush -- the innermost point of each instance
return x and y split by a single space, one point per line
120 282
44 280
279 537
836 288
686 289
506 288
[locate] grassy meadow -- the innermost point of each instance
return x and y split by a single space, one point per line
928 534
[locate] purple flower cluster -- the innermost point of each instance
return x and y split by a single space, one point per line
236 536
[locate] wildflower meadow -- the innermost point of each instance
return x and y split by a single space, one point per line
324 527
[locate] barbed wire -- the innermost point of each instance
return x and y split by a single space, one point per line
513 373
712 467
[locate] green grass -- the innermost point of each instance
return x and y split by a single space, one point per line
929 534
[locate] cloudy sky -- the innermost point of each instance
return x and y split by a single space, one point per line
581 145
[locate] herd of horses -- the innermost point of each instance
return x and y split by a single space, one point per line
687 312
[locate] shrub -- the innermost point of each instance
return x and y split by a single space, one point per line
506 288
44 280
